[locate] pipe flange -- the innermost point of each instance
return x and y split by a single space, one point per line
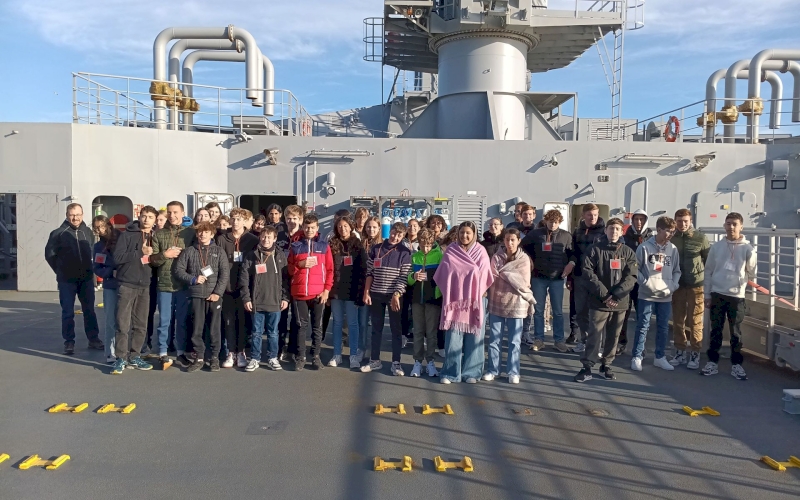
530 40
231 37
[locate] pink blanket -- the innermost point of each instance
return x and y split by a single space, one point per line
463 277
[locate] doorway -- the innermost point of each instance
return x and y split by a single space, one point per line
258 203
577 214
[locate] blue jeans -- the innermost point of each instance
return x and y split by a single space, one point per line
110 307
364 341
463 355
340 308
645 309
514 325
84 290
166 302
541 287
271 321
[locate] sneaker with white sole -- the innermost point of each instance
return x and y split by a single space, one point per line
354 361
241 360
417 370
579 347
678 359
446 381
694 361
335 361
738 372
663 364
274 364
711 368
472 380
560 347
397 369
228 363
432 371
513 379
286 357
537 345
252 365
372 366
488 377
636 364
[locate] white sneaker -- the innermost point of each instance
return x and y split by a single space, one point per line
354 361
513 379
397 370
738 372
432 372
252 365
694 361
273 364
373 366
663 364
488 377
579 347
445 380
241 360
711 368
417 370
404 341
636 364
228 363
441 353
335 361
472 380
678 359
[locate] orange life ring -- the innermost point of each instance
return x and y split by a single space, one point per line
672 129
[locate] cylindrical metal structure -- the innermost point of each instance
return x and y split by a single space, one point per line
729 130
777 94
754 90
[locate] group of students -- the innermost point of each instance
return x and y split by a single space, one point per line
275 275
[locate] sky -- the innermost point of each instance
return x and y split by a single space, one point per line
317 49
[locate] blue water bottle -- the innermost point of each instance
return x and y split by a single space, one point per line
386 223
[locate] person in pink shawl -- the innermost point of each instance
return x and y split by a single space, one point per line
463 276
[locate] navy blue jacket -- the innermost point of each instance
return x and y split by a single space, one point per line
106 269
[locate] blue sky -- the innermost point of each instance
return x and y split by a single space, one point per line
317 50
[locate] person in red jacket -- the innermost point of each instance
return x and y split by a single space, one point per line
311 273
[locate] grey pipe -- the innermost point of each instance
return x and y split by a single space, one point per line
754 91
229 32
711 99
646 191
729 130
775 99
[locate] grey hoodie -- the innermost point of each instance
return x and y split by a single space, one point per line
659 270
729 266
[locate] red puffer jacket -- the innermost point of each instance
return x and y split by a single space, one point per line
309 283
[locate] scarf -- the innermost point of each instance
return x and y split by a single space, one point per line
463 277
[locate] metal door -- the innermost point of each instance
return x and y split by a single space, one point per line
225 200
561 207
37 216
711 207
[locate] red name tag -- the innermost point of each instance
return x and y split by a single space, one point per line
145 259
261 268
100 258
347 261
658 266
376 263
616 264
547 246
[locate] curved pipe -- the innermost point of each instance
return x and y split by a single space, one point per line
775 99
753 90
646 190
729 130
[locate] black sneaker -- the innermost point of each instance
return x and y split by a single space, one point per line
317 364
299 363
571 338
214 365
69 347
183 360
607 373
194 366
96 344
584 375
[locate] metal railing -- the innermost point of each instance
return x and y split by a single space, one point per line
99 99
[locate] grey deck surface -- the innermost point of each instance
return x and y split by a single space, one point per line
203 434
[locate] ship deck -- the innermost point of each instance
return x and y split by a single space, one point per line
313 435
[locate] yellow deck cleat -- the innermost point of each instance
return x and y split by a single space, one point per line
446 409
35 461
63 407
781 466
399 409
110 408
705 411
442 466
405 465
3 457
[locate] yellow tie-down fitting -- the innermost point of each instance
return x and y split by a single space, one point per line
399 409
781 466
446 409
710 120
752 106
63 407
4 457
705 411
35 461
404 465
110 408
442 466
728 114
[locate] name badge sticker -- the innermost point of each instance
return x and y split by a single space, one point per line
145 259
547 246
376 263
347 261
206 271
311 260
616 264
261 268
237 256
730 266
658 266
100 258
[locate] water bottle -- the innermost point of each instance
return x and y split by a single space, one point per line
386 223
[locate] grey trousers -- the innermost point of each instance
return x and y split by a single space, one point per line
426 328
581 291
604 329
133 305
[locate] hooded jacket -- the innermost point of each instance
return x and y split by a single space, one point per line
170 236
235 251
659 271
425 292
348 281
583 238
131 271
190 262
693 249
730 265
548 263
605 282
635 238
265 290
308 283
68 252
492 243
106 268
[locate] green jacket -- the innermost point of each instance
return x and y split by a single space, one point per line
425 292
693 250
163 239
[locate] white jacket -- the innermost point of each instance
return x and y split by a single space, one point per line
729 266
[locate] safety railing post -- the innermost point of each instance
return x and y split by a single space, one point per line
772 272
219 106
116 109
796 271
753 292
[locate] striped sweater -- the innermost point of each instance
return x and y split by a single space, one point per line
389 266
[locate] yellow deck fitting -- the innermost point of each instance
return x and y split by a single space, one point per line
705 411
3 457
446 409
35 461
62 407
399 409
781 466
442 466
405 465
110 408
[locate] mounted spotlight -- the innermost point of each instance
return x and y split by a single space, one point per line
243 137
272 156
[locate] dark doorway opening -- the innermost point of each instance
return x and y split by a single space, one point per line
258 203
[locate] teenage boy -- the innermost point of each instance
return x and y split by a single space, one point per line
609 268
636 234
517 214
550 248
688 300
388 267
658 277
132 255
589 231
731 264
173 298
203 267
236 243
426 301
264 287
293 217
311 270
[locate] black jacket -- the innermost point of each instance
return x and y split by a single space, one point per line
523 229
68 252
187 266
128 257
348 281
247 243
605 282
265 290
548 264
491 243
634 239
583 238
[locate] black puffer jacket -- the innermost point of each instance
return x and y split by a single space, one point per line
265 290
492 243
189 263
348 281
69 252
548 264
246 244
605 282
128 257
583 238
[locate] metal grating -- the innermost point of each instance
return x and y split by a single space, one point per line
471 208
